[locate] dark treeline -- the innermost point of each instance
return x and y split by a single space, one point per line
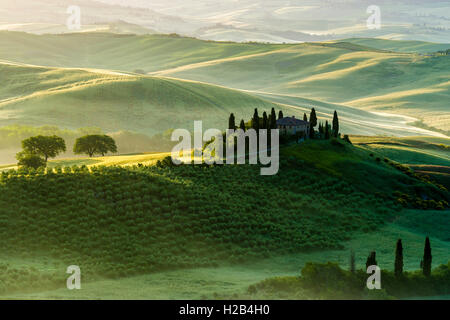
269 121
330 281
425 263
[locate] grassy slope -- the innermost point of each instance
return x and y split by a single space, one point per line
393 82
346 73
74 98
200 283
289 219
79 98
411 150
401 45
428 156
351 120
118 52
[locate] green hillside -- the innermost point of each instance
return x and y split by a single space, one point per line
113 101
73 98
400 45
124 52
411 150
117 222
350 73
399 83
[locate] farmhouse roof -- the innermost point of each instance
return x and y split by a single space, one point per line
291 121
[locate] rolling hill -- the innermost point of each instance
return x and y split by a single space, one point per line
349 77
116 218
400 45
243 20
115 222
116 101
125 52
342 73
74 98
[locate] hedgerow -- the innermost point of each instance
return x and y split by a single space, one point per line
330 281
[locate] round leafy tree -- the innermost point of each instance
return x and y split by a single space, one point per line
45 146
94 144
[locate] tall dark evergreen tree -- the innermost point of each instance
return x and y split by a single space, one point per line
280 115
398 268
255 120
312 122
305 117
242 125
313 118
327 130
231 122
273 119
427 258
335 125
371 259
321 128
265 122
352 262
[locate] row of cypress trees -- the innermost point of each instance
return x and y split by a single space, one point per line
326 130
425 263
270 122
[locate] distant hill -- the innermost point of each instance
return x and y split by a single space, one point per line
32 16
344 73
124 52
117 27
401 45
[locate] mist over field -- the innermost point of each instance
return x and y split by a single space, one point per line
230 20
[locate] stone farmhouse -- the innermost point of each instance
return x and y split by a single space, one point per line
293 126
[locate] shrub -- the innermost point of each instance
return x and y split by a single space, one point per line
347 139
30 160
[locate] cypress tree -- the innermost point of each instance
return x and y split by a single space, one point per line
352 261
312 122
321 128
327 130
313 118
231 122
399 258
427 258
305 117
280 115
371 260
273 119
335 125
255 120
265 123
242 125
